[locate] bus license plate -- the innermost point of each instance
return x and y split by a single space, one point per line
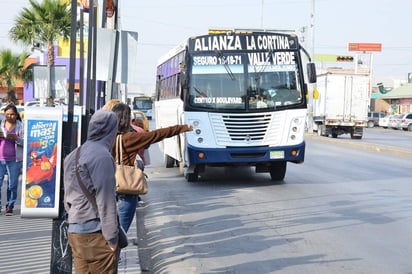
277 154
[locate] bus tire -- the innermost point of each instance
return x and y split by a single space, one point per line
192 177
277 171
169 161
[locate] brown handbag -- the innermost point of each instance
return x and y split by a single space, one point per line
130 180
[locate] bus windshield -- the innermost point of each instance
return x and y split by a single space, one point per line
142 103
232 82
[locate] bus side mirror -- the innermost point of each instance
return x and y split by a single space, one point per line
311 70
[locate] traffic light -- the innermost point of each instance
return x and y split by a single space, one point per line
344 58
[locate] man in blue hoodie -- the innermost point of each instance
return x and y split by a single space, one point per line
93 236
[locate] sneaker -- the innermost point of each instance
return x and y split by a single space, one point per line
9 211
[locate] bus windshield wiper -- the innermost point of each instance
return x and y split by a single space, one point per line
198 91
257 78
228 70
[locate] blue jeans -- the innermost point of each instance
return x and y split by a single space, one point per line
13 169
127 209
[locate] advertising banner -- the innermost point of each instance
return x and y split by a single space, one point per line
41 162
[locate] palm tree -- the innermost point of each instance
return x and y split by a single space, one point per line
43 22
11 70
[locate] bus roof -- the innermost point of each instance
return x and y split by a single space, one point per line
235 30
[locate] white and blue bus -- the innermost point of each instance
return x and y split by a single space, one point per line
144 104
245 94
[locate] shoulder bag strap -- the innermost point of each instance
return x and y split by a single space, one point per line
119 149
89 196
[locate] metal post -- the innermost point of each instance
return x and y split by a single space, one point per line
61 256
93 10
81 61
88 97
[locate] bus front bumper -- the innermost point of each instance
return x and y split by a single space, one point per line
245 155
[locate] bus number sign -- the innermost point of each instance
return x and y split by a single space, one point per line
214 60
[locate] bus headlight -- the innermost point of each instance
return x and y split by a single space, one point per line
200 140
198 131
296 128
297 121
196 123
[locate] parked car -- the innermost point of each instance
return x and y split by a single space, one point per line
406 121
373 118
384 121
394 122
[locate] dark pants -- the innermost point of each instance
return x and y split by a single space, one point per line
92 254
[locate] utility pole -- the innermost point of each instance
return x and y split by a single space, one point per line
311 87
261 15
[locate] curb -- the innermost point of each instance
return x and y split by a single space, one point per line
362 144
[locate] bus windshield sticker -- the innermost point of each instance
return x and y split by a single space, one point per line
243 42
273 68
217 100
276 58
217 60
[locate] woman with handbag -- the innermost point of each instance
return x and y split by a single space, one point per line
132 142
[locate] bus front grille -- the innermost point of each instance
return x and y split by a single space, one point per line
239 129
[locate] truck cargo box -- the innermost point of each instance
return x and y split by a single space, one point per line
342 106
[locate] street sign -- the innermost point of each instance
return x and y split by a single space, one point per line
376 47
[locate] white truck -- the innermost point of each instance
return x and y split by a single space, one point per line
342 105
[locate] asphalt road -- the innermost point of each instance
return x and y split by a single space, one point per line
345 210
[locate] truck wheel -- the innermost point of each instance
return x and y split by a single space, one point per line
277 171
169 161
334 135
371 124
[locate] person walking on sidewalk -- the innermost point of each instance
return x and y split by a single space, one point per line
11 154
93 236
133 142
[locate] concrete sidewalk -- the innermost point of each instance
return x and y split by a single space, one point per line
25 244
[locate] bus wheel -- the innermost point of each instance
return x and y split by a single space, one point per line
277 171
192 177
169 161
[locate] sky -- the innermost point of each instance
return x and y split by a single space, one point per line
163 24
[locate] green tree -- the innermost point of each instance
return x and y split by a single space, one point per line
11 68
43 22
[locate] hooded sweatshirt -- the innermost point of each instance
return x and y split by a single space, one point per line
97 171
